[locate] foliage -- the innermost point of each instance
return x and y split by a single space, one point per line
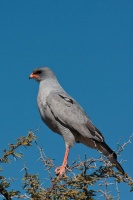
78 183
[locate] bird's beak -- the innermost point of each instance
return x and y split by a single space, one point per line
32 75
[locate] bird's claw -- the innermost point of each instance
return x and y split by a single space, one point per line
60 171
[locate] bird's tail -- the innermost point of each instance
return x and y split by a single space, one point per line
110 154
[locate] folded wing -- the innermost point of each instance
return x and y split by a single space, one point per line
70 113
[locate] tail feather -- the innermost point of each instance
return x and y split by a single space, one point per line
110 154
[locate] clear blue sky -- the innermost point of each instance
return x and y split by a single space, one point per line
89 46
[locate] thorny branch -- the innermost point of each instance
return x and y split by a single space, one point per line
122 147
77 184
22 141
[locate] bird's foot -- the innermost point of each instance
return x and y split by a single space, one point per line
60 171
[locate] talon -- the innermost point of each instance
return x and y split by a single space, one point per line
60 171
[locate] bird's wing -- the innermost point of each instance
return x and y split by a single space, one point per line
66 110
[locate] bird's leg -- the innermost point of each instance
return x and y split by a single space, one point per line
61 170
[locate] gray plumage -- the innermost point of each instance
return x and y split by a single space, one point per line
63 115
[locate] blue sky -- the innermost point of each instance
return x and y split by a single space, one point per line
89 46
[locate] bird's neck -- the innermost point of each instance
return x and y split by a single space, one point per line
49 85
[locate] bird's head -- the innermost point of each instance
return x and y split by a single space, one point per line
40 74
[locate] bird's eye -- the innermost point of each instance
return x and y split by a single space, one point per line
39 72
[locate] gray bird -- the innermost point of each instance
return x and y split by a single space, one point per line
63 115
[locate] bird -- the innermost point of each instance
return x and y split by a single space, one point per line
63 115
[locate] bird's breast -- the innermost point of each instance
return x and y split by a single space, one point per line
46 114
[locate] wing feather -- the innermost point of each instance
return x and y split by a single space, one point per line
70 113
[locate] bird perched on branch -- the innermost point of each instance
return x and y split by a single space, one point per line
63 115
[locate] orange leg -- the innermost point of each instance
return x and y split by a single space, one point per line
61 170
